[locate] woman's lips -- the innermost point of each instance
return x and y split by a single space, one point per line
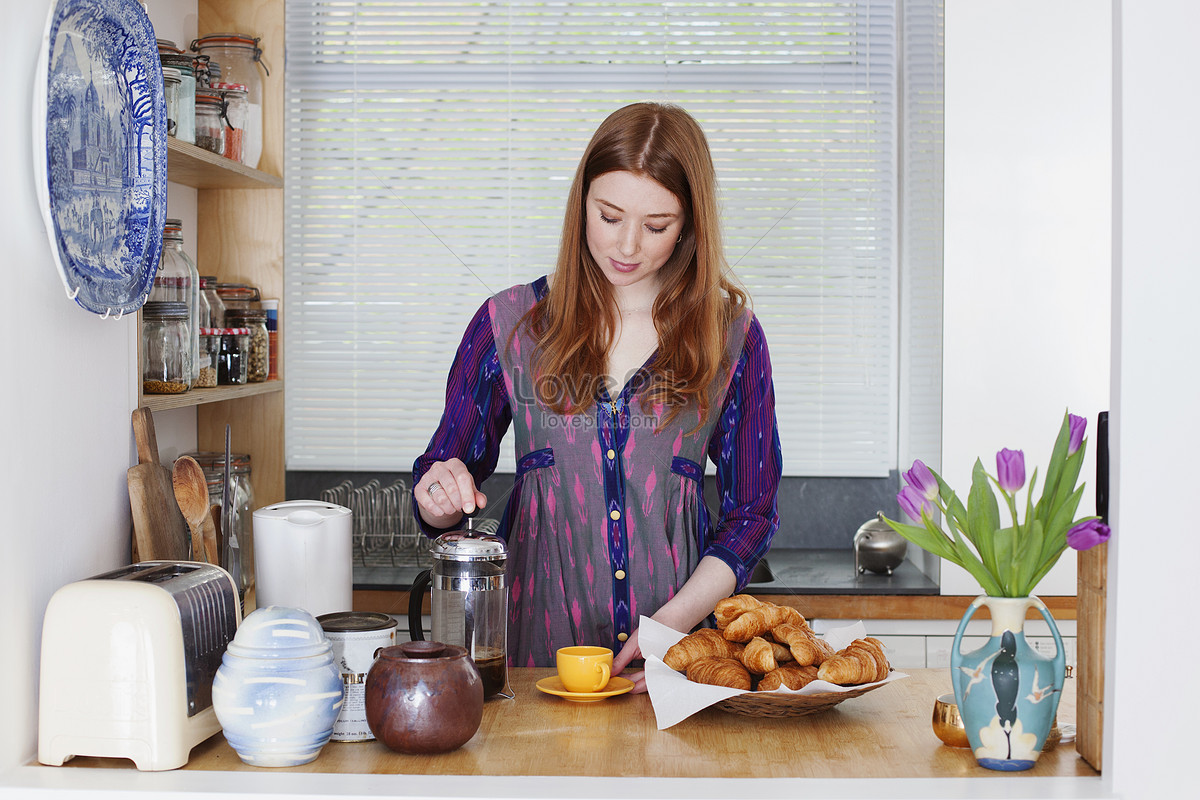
621 266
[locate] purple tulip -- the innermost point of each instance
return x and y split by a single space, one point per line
1088 534
921 479
912 503
1077 426
1010 469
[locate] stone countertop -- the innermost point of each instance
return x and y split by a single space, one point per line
790 571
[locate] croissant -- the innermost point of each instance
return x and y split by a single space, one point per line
780 651
717 671
704 642
861 661
756 622
759 657
804 645
793 676
731 608
809 650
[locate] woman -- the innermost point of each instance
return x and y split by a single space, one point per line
634 360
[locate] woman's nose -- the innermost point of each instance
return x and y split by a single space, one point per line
629 241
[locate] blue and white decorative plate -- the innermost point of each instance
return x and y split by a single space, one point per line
100 151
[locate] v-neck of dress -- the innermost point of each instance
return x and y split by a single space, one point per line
635 382
541 288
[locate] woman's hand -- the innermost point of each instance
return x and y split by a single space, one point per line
630 652
694 601
445 491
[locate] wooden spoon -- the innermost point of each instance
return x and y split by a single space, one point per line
191 492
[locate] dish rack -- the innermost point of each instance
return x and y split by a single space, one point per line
385 533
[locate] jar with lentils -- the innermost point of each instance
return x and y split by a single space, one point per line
166 348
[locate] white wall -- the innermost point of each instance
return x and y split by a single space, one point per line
1027 243
69 387
1156 393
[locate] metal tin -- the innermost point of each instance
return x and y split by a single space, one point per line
356 637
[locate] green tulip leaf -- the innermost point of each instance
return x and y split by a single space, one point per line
1028 556
983 516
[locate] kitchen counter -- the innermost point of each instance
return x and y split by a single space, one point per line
883 734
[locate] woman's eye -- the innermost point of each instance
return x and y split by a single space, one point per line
656 230
606 219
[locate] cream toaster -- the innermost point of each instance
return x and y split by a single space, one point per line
128 659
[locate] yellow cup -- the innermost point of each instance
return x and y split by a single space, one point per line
584 668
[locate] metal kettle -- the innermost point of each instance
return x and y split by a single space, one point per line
469 602
878 548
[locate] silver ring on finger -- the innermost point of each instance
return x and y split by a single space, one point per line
434 486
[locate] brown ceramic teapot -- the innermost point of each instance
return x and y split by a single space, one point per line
424 697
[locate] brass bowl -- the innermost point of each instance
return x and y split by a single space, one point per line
947 724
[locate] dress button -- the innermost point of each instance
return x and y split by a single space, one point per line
619 574
615 515
622 636
611 454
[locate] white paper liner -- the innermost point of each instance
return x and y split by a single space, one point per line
675 698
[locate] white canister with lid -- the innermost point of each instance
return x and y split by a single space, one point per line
303 556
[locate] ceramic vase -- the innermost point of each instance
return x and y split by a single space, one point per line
1007 693
278 691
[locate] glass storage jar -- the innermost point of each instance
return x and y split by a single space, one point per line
232 356
240 58
210 125
237 554
238 295
236 111
258 356
178 281
210 349
216 306
171 98
185 130
166 348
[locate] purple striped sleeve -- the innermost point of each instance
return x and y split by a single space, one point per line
477 411
745 448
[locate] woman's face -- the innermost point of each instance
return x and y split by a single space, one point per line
633 223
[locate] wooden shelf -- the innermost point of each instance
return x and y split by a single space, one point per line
196 167
217 394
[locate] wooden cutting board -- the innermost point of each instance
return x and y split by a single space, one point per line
159 529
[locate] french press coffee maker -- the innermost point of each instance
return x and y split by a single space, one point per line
469 602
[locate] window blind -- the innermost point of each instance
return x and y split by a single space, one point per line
430 147
923 70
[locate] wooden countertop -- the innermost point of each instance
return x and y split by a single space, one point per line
812 606
883 734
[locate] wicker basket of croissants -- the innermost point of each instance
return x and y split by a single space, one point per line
759 647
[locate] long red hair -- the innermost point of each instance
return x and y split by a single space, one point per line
573 325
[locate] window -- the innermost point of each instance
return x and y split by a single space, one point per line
430 147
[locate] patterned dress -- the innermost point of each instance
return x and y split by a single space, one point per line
606 519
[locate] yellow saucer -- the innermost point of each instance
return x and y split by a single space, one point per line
554 685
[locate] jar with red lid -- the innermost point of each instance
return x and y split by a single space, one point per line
232 359
236 113
240 58
210 350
